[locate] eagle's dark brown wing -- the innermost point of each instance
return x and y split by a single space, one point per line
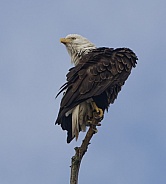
101 70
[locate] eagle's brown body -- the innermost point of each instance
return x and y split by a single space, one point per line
98 76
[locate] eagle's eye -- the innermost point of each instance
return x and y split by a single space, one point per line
73 38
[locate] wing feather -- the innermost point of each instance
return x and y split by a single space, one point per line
103 69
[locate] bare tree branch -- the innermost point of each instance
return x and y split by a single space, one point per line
80 151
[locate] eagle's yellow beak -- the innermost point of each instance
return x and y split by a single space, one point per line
65 40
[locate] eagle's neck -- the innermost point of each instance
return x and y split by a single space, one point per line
77 53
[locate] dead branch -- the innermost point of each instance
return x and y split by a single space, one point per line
80 151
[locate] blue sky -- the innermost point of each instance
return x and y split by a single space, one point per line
130 146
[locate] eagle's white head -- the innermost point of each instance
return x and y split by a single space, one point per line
77 46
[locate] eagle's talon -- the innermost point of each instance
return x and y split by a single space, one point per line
98 113
95 130
98 117
90 122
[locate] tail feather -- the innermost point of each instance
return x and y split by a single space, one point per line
75 122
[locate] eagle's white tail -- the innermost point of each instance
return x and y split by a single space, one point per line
75 122
79 114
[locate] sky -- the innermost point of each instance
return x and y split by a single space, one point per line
130 146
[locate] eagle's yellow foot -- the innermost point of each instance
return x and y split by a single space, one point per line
99 112
91 122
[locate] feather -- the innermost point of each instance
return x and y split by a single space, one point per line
75 123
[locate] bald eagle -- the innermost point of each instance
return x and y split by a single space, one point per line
92 84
